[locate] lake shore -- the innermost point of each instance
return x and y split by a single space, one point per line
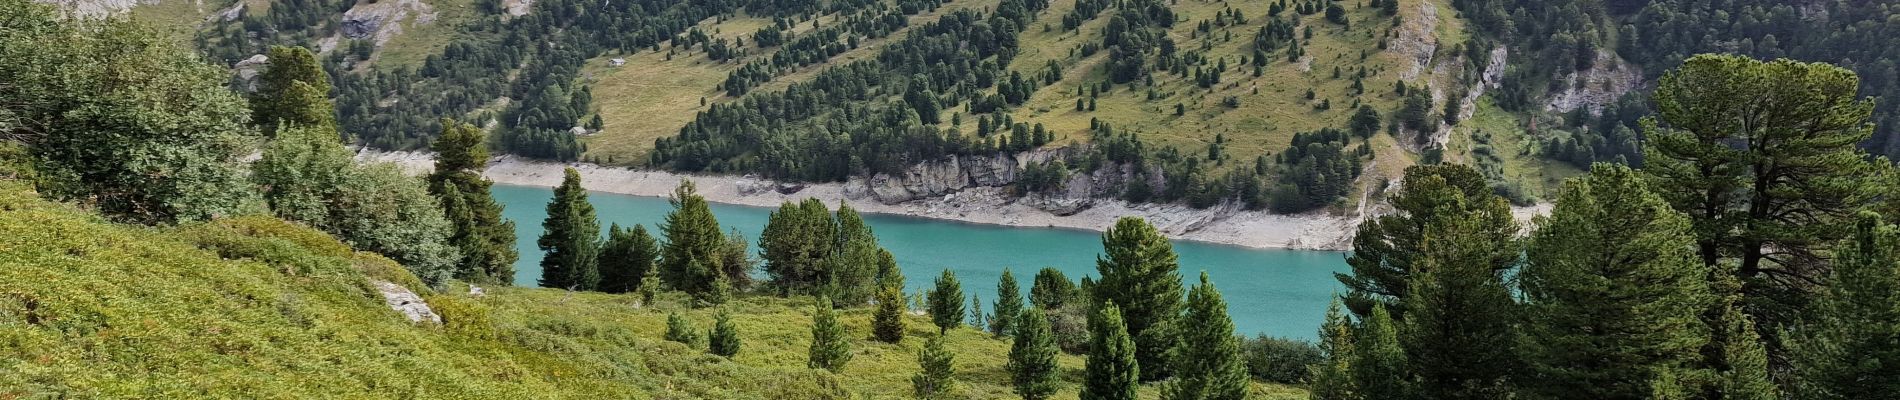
982 205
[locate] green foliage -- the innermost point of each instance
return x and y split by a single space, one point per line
1009 302
797 242
1334 378
1032 357
936 379
1111 372
1386 248
887 323
279 100
691 260
307 176
571 238
1457 327
1379 367
1742 371
1140 275
1207 361
627 259
724 338
1280 360
830 349
1614 294
1773 222
122 119
485 238
946 302
1052 289
1842 349
679 329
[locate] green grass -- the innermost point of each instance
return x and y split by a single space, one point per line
254 307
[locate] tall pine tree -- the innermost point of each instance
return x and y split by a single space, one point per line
1111 372
278 100
1613 292
571 238
694 255
1845 348
1207 362
1457 327
1385 248
1009 302
485 238
946 302
1379 370
1140 275
1332 379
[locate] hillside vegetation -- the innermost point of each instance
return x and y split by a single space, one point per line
257 307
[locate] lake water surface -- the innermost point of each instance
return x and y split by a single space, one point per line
1269 291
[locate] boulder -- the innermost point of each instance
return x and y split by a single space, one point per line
406 302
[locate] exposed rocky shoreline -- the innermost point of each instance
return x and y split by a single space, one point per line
968 189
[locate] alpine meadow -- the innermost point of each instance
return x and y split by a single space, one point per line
1092 199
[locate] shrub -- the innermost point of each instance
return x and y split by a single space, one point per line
1281 360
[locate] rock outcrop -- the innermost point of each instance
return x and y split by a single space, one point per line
948 176
1607 79
383 20
406 302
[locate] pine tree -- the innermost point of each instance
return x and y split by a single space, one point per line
1008 304
1207 363
627 258
279 100
678 329
724 338
692 258
571 238
1457 330
1772 206
1385 248
1378 369
1844 348
1032 357
829 348
796 243
887 322
485 238
1140 275
937 376
1051 290
976 312
1742 373
649 287
946 302
1111 373
1333 379
1614 294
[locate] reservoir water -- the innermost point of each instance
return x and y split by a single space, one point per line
1269 291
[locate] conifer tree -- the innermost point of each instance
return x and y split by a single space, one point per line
1844 348
649 287
1613 293
571 238
937 378
1207 363
1008 304
692 259
1111 373
1052 289
1742 373
1333 379
1140 275
946 302
796 243
887 322
279 100
1770 207
627 257
724 338
1032 357
976 312
1385 248
829 348
1457 330
484 237
678 329
1378 369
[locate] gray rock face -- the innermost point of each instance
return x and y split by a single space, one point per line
406 302
952 174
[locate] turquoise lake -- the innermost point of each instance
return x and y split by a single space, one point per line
1269 291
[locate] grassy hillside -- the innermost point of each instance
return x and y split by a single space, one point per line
256 307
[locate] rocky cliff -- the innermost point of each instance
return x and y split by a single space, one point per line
939 178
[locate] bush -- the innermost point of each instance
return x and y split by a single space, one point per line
1280 360
463 316
1070 324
